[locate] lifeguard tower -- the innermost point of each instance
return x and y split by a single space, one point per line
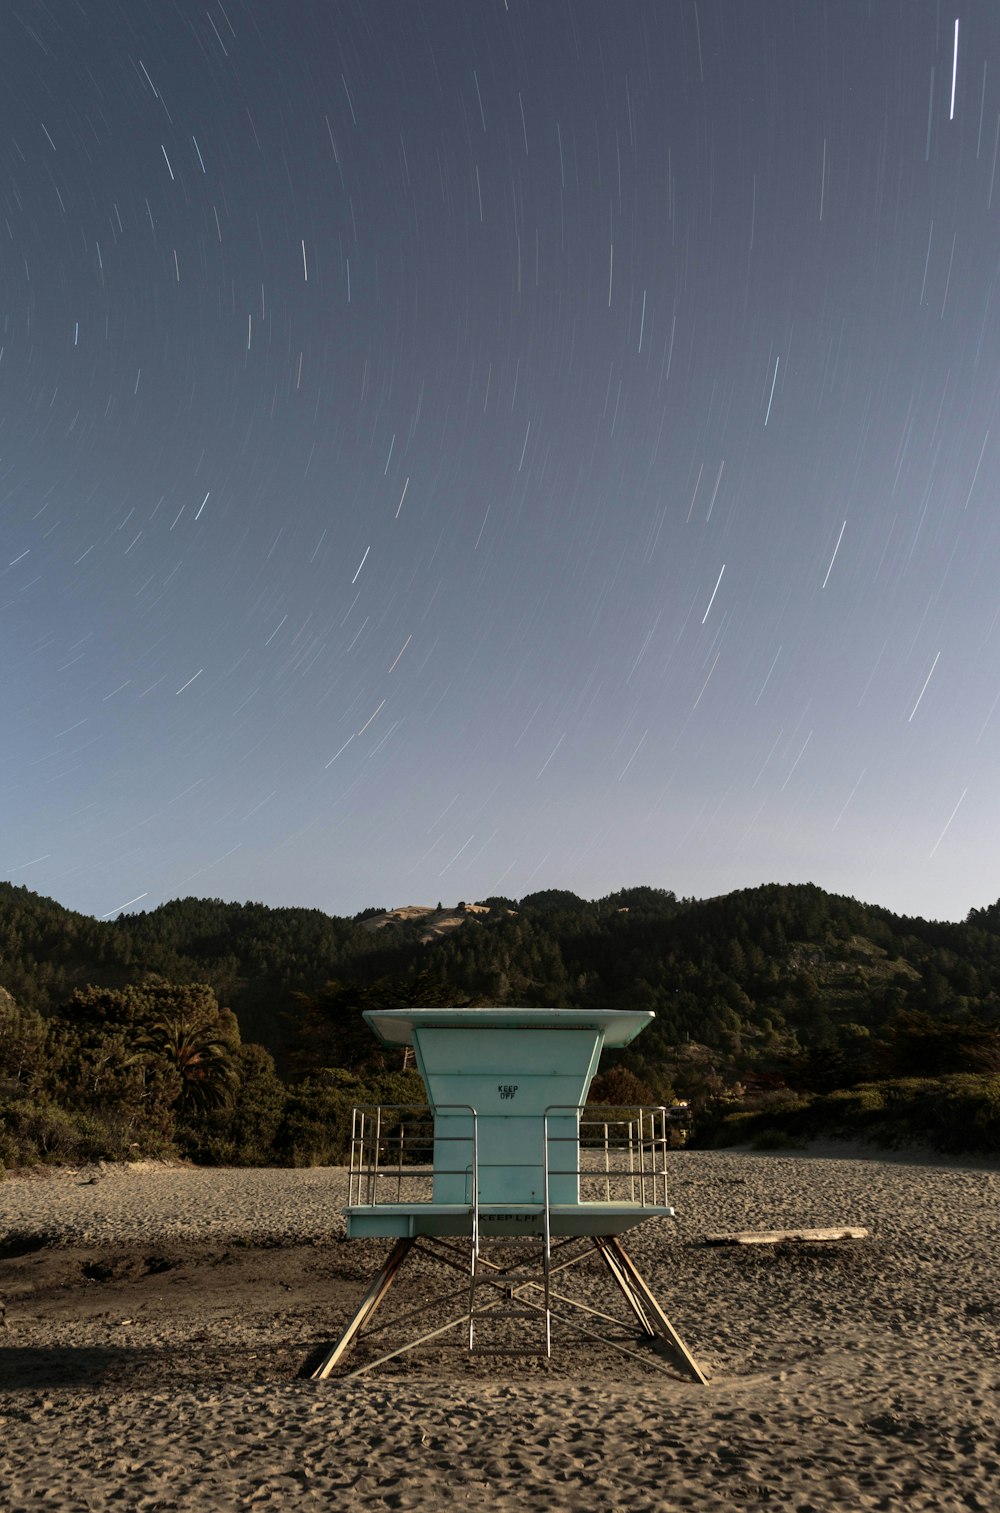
508 1150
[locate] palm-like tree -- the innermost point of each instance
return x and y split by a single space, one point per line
202 1058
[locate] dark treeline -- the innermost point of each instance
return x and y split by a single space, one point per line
233 1033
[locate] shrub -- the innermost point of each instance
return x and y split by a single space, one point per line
953 1114
36 1130
315 1128
775 1140
855 1101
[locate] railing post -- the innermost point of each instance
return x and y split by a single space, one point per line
474 1227
354 1135
547 1221
644 1159
377 1153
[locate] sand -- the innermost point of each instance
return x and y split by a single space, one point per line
159 1319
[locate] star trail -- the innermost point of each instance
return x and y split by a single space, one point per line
470 448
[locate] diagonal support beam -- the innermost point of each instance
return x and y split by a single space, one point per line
622 1281
636 1291
643 1302
369 1303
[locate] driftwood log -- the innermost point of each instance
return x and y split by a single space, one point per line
781 1236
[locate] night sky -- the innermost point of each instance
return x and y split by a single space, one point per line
451 449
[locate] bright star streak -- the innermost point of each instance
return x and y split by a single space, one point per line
954 75
944 832
835 551
924 689
120 907
774 380
714 592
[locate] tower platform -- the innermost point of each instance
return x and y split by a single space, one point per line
395 1219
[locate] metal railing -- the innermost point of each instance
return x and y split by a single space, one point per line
614 1155
605 1154
396 1153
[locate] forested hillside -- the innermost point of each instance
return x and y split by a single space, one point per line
772 992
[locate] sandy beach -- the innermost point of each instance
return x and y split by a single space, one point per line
159 1319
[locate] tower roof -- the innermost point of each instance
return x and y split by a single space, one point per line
618 1026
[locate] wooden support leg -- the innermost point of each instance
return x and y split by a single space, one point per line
369 1303
643 1303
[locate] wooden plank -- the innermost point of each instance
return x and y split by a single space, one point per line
367 1307
779 1236
643 1303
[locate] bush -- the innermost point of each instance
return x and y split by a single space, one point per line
316 1125
955 1114
855 1101
34 1130
9 1153
775 1140
40 1131
732 1129
315 1128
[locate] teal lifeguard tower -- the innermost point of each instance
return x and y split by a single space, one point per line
508 1149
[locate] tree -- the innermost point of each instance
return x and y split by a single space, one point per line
917 1045
241 1133
332 1033
22 1043
106 1074
619 1087
152 1050
202 1058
